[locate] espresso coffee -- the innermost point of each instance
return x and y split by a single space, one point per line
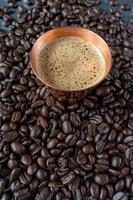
70 63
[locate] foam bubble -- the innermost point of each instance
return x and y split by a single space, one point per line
70 63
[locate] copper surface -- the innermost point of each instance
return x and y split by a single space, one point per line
85 34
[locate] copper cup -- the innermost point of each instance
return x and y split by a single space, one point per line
70 96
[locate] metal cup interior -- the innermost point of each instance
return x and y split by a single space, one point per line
85 34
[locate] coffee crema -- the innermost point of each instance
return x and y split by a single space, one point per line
70 63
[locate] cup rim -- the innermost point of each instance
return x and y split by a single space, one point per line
76 29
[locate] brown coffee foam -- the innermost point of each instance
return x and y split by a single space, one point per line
70 63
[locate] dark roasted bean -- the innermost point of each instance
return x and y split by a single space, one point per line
74 184
101 179
2 185
12 163
10 136
81 158
25 178
75 119
34 184
16 186
14 174
16 116
102 91
17 148
120 185
103 194
103 128
32 169
128 181
71 140
41 174
68 178
94 189
41 162
26 159
52 143
66 126
100 146
88 149
120 195
116 161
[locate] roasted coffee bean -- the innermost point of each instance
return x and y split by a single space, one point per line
54 184
68 178
44 111
35 131
66 126
44 194
2 185
88 149
42 121
96 119
128 181
41 174
62 162
101 179
19 32
26 159
78 195
94 189
74 184
102 91
103 193
37 104
75 119
88 103
129 154
119 185
92 129
120 195
80 171
12 163
16 116
15 173
100 146
24 193
32 169
116 161
81 158
41 162
25 178
110 190
16 186
63 172
34 184
108 118
10 136
52 143
71 140
103 128
5 93
45 153
67 153
17 148
87 166
112 135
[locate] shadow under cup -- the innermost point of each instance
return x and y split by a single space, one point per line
71 96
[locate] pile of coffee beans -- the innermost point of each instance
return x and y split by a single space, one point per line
51 150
